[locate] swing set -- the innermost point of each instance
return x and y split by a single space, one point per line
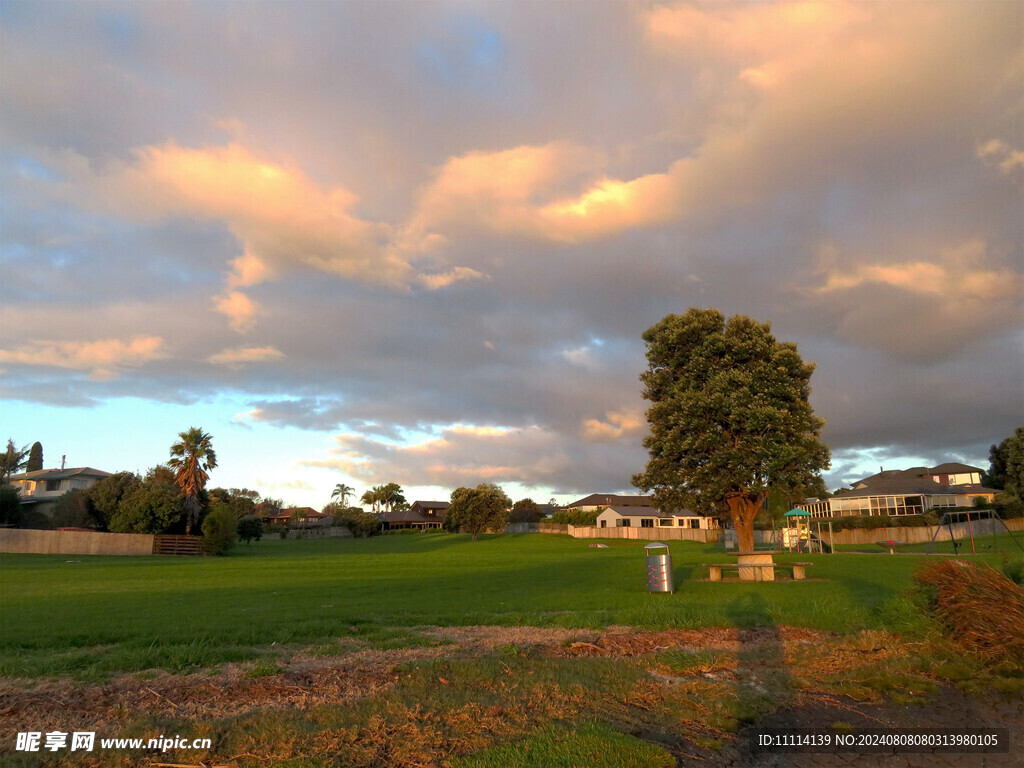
981 522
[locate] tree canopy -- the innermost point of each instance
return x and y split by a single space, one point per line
11 460
475 510
729 416
35 458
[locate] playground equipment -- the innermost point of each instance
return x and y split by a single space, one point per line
797 536
983 522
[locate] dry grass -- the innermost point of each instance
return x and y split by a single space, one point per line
983 610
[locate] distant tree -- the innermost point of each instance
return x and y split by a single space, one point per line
148 508
391 495
12 460
1014 461
250 528
10 506
220 528
240 500
730 418
341 492
997 455
475 510
105 496
35 458
525 511
161 473
191 457
372 497
361 524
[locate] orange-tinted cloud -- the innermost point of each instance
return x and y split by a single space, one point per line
241 355
240 310
105 358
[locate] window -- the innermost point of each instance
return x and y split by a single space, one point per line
53 485
604 523
646 522
695 523
625 522
666 521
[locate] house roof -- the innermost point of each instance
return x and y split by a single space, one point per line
650 512
59 474
414 514
434 506
612 499
908 486
954 468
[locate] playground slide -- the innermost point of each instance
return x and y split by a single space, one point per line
825 547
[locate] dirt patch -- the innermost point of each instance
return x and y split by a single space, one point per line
628 643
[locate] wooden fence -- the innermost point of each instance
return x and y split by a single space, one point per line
30 541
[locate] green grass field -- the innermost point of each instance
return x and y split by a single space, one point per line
336 670
93 616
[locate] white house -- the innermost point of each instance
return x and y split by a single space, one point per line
913 491
42 488
651 517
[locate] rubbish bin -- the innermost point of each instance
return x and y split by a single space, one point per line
659 567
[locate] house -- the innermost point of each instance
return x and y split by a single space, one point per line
652 517
293 517
422 515
39 490
913 491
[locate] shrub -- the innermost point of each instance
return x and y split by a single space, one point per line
73 510
10 506
250 528
148 508
220 528
362 524
574 517
982 608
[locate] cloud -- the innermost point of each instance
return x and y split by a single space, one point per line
952 300
1001 155
105 357
466 455
281 216
444 279
240 310
246 355
615 425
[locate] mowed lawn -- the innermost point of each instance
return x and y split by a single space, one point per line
95 616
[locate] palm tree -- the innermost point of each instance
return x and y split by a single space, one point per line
11 460
390 495
190 458
342 492
372 497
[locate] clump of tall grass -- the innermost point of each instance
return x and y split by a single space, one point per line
982 608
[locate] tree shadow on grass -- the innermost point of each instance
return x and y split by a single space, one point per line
763 681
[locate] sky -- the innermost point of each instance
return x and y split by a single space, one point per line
419 242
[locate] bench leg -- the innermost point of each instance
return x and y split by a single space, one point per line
715 574
798 573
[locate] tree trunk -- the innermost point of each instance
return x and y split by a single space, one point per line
744 508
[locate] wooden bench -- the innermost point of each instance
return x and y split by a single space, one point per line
715 569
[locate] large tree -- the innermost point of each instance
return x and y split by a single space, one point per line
999 455
35 458
191 457
730 418
1013 464
475 510
12 460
